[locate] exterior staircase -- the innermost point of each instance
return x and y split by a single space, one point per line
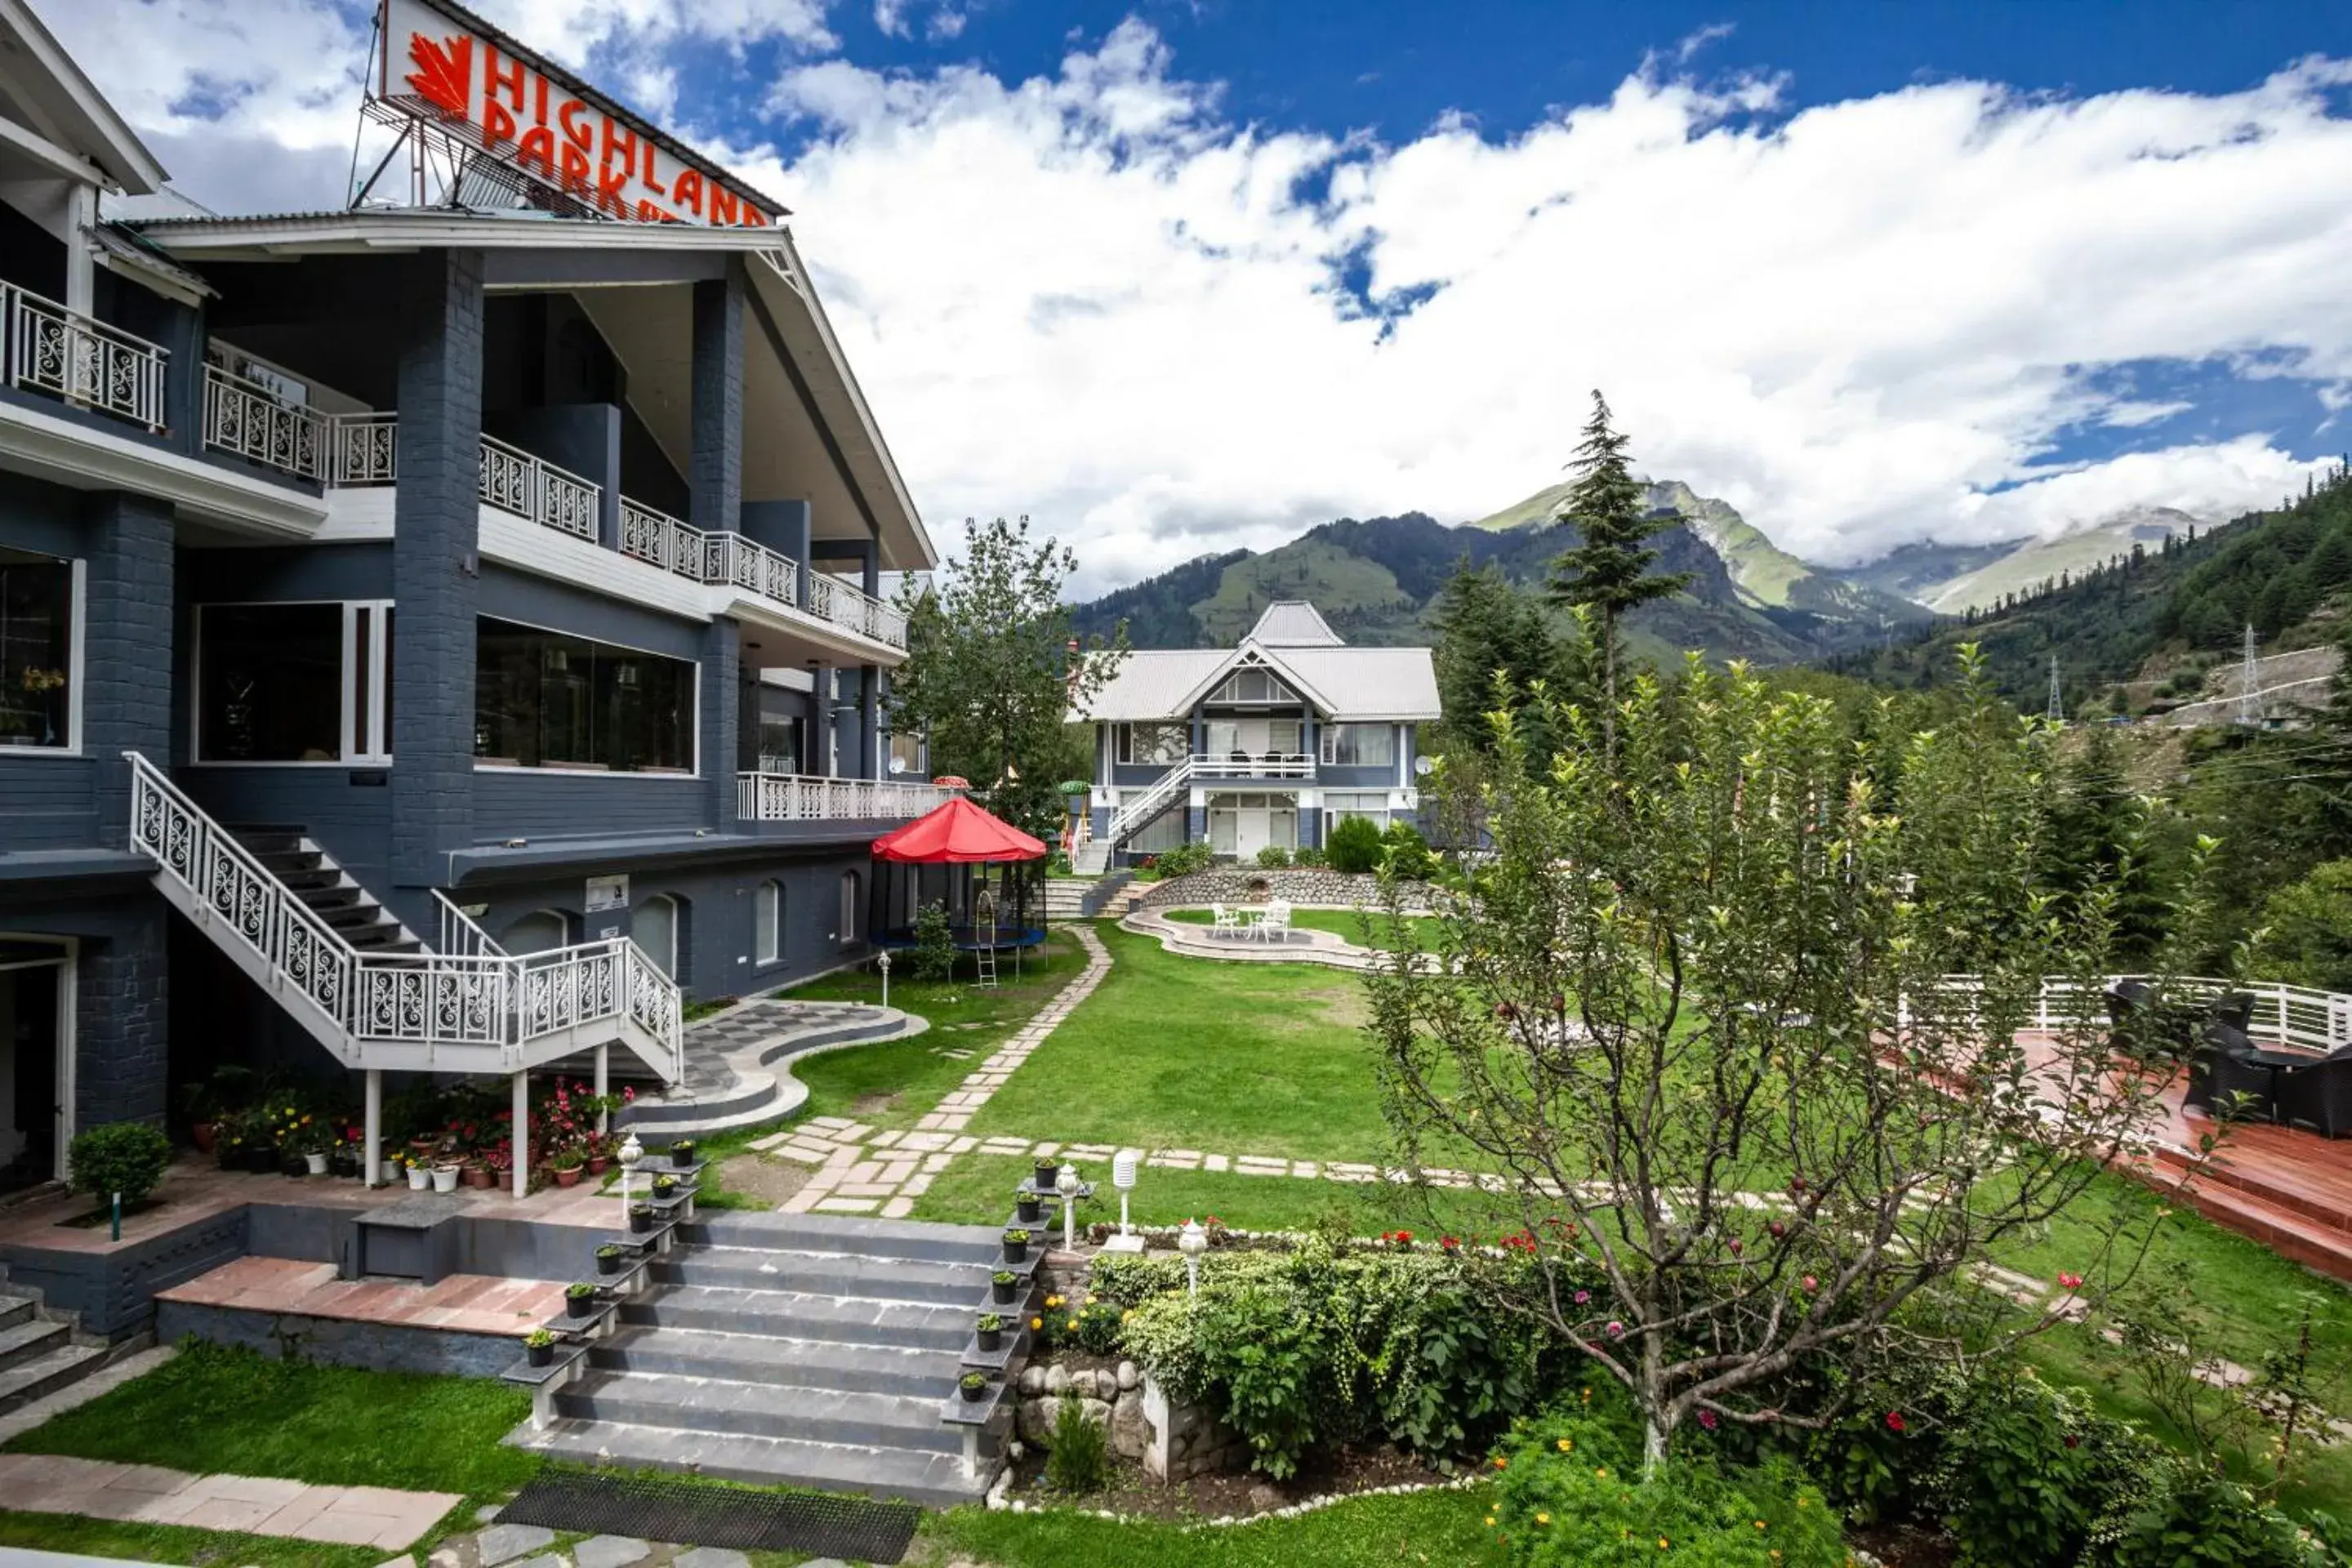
38 1355
1066 899
1139 811
326 889
1119 904
804 1351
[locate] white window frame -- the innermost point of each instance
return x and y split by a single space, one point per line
695 751
768 922
1327 742
378 751
851 893
1125 755
76 669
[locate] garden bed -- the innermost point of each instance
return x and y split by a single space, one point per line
1342 1472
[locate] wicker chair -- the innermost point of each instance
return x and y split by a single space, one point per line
2226 1056
2318 1096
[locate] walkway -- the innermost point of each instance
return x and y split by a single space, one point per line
378 1516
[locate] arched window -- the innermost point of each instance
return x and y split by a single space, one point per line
541 930
853 908
768 922
654 927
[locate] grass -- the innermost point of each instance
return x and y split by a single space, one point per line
213 1410
1352 924
976 1189
1434 1528
1187 1053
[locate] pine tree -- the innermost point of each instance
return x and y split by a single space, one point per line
1487 627
1608 570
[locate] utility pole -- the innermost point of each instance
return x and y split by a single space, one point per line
2248 710
2057 704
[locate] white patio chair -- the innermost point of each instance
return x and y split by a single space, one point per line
1224 919
1274 925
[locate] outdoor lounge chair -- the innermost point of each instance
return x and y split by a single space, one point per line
2127 999
2238 1069
1224 919
2234 1008
2318 1096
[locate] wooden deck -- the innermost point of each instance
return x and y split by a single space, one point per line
2288 1189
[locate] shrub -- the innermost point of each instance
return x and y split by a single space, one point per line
1306 856
1354 845
2200 1520
1079 1460
126 1157
934 956
1570 1494
1184 859
1408 852
1273 857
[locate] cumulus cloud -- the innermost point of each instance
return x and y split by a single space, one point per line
1093 296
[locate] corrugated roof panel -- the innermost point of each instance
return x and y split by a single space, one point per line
1294 622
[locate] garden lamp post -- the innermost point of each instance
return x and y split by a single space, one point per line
1192 1241
629 1153
1122 1176
1066 1184
882 961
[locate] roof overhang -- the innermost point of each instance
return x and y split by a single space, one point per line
81 119
1253 653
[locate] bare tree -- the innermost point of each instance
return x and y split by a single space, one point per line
1693 1016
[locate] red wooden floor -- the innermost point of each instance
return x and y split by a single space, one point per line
2289 1189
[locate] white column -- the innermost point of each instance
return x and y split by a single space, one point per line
520 1131
369 1167
604 1118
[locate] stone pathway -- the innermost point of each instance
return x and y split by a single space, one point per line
255 1505
859 1171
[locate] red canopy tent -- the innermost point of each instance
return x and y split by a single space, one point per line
981 918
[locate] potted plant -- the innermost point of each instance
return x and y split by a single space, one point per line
579 1299
567 1167
665 1185
539 1347
608 1258
425 1148
990 1332
974 1385
1000 1284
420 1173
476 1173
640 1217
600 1153
1031 1208
681 1154
1048 1172
444 1177
1016 1245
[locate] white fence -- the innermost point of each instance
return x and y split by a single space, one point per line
69 355
248 420
2290 1014
801 797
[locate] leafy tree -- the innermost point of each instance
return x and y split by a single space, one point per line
1694 1009
2305 937
1490 628
1607 569
992 671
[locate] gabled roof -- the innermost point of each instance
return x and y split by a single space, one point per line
1253 655
1292 623
1375 684
78 118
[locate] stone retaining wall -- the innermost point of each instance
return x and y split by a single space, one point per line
1254 884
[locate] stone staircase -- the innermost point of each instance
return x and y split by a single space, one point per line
1116 906
38 1355
803 1350
1066 899
330 892
737 1072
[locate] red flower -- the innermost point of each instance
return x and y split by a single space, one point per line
1706 1419
2071 1281
1448 1243
1894 1421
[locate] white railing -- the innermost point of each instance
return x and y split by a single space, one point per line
514 480
1133 814
483 998
660 539
801 797
1278 765
69 355
365 448
459 936
756 569
2288 1015
247 420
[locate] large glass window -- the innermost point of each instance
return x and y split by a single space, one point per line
36 610
853 908
548 700
907 751
270 683
1252 686
1154 745
768 922
1358 745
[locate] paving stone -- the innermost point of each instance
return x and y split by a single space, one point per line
546 1559
897 1208
505 1542
610 1551
710 1557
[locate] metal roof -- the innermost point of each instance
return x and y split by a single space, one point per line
1294 622
1345 684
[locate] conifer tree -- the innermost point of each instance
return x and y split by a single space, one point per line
1607 569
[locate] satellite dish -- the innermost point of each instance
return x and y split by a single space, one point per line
1421 766
897 765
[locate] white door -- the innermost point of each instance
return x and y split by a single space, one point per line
1251 831
1257 737
654 928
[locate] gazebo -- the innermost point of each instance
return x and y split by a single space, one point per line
988 873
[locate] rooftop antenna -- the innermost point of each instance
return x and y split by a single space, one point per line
2249 710
2057 705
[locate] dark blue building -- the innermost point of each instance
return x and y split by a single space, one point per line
447 637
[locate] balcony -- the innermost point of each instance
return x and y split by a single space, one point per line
357 451
81 360
1240 765
800 797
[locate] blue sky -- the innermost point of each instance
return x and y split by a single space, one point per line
1178 276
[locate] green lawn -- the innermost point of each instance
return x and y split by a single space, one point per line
1434 1528
1355 925
1187 1053
978 1190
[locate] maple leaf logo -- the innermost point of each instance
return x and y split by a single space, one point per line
441 74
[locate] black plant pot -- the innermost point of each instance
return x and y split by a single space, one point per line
1015 1251
975 1392
990 1339
681 1156
608 1265
641 1220
1048 1172
1033 1211
259 1162
538 1355
1002 1294
579 1306
343 1165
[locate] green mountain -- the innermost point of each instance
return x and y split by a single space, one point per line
1916 571
1375 579
2025 566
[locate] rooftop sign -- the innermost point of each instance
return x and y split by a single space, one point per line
451 69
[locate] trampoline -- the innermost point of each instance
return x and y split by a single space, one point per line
988 873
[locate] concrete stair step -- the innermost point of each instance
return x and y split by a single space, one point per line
47 1372
824 1274
786 1315
766 1358
917 1476
24 1341
764 1410
913 1241
15 1309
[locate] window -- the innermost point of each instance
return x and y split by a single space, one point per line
1358 746
1339 805
654 928
907 752
294 683
36 650
1252 686
853 908
1154 745
767 922
549 700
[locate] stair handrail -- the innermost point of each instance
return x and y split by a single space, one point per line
460 936
1151 803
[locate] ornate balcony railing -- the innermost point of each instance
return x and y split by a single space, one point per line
247 420
69 355
1273 765
514 480
800 797
365 448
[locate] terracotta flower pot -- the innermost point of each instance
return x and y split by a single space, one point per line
477 1176
599 1165
202 1135
567 1177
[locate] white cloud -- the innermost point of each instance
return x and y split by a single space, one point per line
1092 297
890 17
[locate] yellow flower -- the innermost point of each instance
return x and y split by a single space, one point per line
1036 1322
1759 1524
1567 1446
1074 1322
1123 1317
1601 1471
1501 1463
1543 1519
1490 1521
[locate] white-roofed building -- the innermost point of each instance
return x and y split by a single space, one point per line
1265 744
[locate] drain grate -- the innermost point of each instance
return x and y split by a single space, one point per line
700 1514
